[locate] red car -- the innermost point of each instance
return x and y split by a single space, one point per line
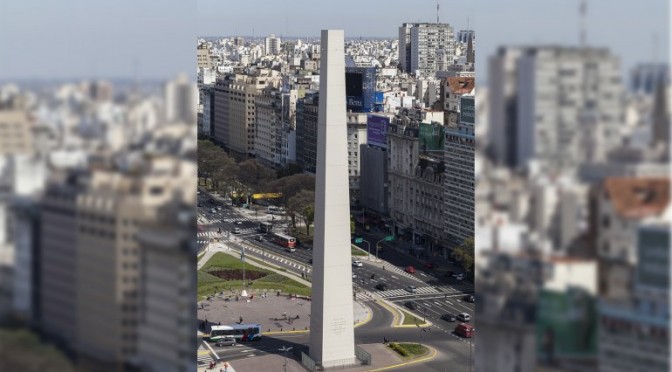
430 265
410 269
465 330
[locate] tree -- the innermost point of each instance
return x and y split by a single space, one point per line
290 186
254 176
465 254
210 156
303 205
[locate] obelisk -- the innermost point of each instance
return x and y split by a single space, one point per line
332 336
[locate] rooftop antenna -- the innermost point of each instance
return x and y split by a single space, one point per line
583 9
437 11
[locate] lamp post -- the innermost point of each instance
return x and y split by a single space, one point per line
388 238
422 332
368 244
285 349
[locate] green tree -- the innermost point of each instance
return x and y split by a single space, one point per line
465 254
303 205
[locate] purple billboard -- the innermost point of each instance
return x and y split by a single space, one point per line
376 130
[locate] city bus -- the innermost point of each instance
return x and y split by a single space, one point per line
242 332
285 241
265 227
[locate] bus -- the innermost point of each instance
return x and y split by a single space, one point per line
265 227
242 332
285 241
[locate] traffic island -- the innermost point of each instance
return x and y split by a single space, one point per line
409 350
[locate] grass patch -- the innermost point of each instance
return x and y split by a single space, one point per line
408 350
356 251
411 319
209 284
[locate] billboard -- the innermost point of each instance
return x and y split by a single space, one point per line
467 110
432 137
376 131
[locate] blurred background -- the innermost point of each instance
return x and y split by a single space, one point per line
97 159
572 197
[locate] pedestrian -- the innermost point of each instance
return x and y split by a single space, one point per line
241 320
226 367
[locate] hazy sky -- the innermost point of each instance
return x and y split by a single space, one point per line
102 38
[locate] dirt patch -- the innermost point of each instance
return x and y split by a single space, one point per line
237 274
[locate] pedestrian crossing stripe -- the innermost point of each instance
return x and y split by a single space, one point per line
421 290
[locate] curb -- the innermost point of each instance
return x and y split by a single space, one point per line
368 317
285 332
432 354
212 351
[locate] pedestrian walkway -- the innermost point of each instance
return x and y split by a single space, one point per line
421 291
203 357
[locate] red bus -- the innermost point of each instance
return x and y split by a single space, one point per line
285 241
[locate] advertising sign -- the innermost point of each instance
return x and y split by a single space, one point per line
376 131
432 137
467 110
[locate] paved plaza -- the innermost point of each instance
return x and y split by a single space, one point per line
274 313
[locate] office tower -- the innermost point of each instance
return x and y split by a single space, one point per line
90 256
459 179
272 45
661 119
463 36
15 132
166 341
306 131
373 179
554 108
332 339
238 41
421 45
234 110
181 97
275 113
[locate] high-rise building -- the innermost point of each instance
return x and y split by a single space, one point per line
276 112
203 56
554 107
15 132
360 88
459 179
234 110
272 45
90 257
306 131
645 77
181 99
421 45
356 137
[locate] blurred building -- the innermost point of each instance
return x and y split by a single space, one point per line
181 99
15 132
635 334
166 338
622 204
554 107
90 266
645 77
425 47
272 45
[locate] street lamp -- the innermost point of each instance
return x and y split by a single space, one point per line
361 240
285 349
388 238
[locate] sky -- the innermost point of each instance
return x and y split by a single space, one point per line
155 39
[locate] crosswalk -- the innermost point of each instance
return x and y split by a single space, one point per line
207 221
443 289
203 355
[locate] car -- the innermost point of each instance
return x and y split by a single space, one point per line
259 238
410 269
463 317
239 222
430 265
469 298
448 317
198 193
411 305
465 330
411 288
381 287
354 276
219 208
226 341
357 263
213 210
460 277
235 230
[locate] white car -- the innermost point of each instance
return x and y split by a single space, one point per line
411 288
354 276
460 277
357 263
463 317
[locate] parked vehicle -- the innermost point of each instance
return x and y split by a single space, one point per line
465 330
